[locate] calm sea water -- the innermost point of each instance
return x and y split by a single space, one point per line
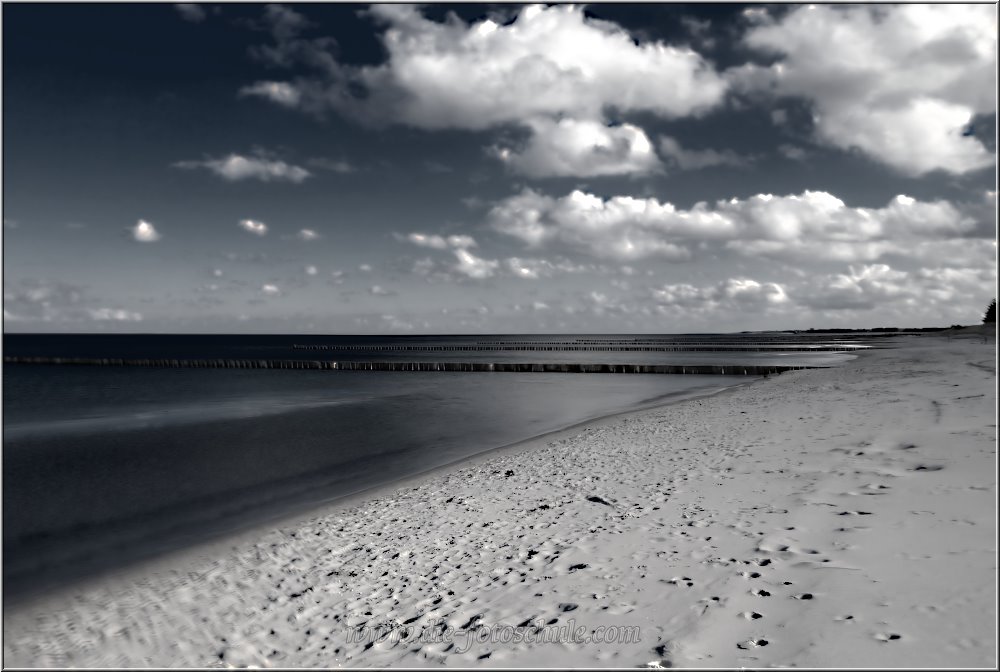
105 465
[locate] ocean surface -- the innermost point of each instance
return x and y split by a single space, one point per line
106 465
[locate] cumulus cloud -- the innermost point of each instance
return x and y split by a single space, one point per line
58 302
534 268
437 242
144 232
468 265
114 315
696 159
813 224
862 293
192 12
473 266
236 167
741 293
270 289
899 83
552 71
281 93
308 234
254 227
569 147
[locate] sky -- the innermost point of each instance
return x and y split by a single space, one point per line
609 168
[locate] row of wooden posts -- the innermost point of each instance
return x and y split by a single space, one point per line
516 367
574 348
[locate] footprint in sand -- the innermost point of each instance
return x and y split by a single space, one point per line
751 615
888 636
760 592
803 596
752 643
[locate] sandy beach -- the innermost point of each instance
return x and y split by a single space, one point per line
835 517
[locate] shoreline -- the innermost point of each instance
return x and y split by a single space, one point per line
684 519
221 542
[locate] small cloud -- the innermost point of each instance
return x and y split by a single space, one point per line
236 167
696 159
217 272
779 117
378 290
365 267
282 93
308 234
473 266
270 290
144 232
258 228
792 152
191 12
114 315
311 270
437 242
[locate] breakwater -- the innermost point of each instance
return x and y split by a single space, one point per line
490 367
536 347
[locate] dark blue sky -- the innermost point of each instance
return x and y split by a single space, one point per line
599 169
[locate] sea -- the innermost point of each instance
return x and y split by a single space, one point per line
104 466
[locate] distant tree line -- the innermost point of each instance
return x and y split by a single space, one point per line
991 313
872 330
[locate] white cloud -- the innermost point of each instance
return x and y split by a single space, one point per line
813 224
378 290
437 242
311 270
473 266
899 83
192 12
270 289
792 152
308 234
281 93
738 293
217 272
114 314
58 302
366 268
532 269
144 232
696 159
551 71
569 147
254 227
236 167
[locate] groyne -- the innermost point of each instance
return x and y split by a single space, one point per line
580 348
491 367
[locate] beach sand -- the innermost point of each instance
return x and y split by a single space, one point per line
838 517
